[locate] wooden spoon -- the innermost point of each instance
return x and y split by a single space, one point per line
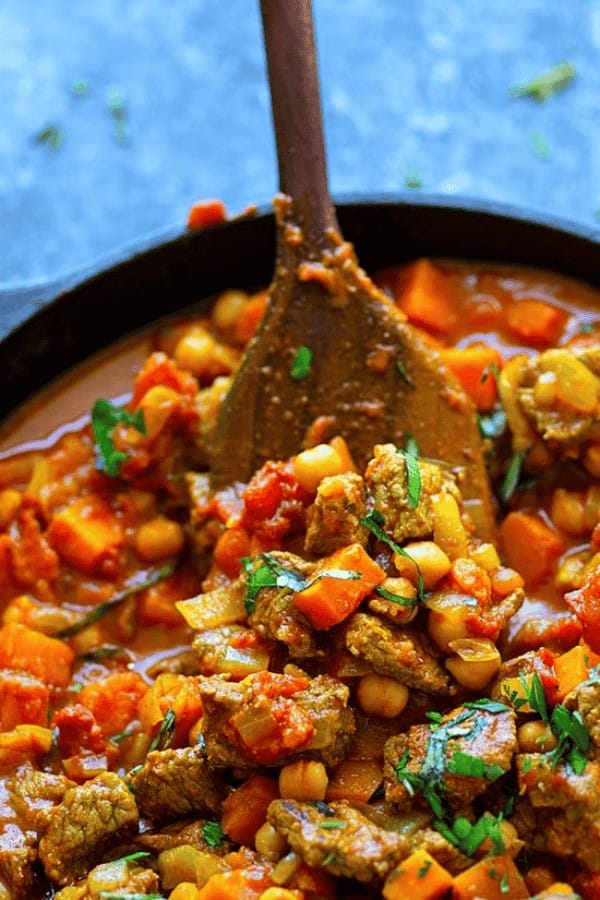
371 377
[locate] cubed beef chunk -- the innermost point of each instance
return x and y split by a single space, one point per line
276 616
333 520
400 651
566 808
457 757
339 838
586 700
176 783
269 719
90 818
387 483
178 834
18 856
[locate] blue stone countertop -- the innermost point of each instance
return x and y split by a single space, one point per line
118 116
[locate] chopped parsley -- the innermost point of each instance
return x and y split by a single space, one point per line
396 598
105 417
102 608
332 823
164 736
302 363
273 574
491 369
212 832
546 85
403 373
413 473
568 726
511 477
133 857
429 781
587 327
374 521
52 136
80 87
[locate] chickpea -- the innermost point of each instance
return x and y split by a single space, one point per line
430 559
567 511
305 779
269 842
536 737
280 893
10 501
381 695
227 308
158 539
314 464
447 621
202 355
476 662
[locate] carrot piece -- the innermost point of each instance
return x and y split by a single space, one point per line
329 600
85 533
232 545
247 884
419 877
26 650
426 297
355 780
530 546
494 877
23 700
244 811
114 700
535 321
573 667
206 212
473 367
250 317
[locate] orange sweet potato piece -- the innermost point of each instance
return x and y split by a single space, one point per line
530 546
244 811
26 650
493 877
329 600
426 297
418 877
85 534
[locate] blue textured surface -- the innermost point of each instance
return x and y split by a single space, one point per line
406 86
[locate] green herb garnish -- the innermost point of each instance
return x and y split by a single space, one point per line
164 736
413 473
105 417
273 574
587 327
103 608
396 598
547 84
212 832
332 823
511 477
473 766
402 372
374 521
132 857
52 136
302 363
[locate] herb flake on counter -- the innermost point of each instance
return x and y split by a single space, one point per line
539 144
301 364
52 136
116 106
412 180
105 417
547 84
80 87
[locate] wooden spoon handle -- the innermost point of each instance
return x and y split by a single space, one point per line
295 98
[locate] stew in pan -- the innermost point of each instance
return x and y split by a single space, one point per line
322 683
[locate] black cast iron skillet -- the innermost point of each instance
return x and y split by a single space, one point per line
79 316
